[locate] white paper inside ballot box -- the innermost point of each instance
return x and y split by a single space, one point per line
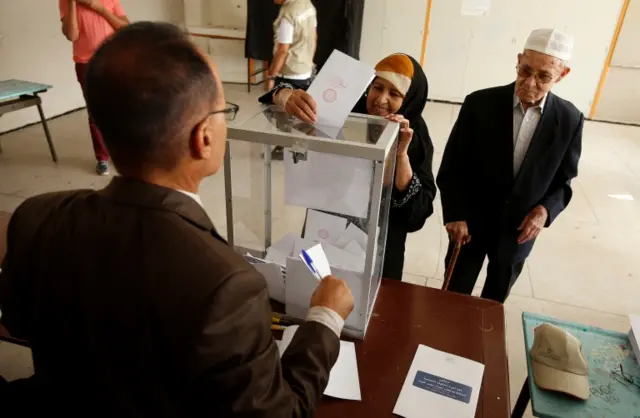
333 183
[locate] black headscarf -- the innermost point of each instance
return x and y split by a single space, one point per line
411 217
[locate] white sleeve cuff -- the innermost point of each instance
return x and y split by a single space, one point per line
285 32
326 317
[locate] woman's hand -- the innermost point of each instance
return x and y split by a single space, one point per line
406 134
298 103
404 172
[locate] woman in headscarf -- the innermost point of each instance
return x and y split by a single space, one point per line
399 93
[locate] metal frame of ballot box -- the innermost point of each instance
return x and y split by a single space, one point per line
297 145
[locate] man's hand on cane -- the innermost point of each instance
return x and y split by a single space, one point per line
458 232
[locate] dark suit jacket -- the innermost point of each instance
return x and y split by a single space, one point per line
135 307
476 175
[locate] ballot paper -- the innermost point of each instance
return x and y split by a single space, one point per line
334 183
338 87
282 249
355 249
344 382
302 244
323 227
634 334
352 233
319 259
443 384
286 243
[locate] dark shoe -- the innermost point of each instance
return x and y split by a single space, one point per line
277 153
102 168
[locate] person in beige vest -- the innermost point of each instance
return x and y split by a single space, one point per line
295 42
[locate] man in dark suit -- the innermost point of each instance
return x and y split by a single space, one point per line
507 168
133 304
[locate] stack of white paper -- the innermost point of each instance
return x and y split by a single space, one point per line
440 385
634 335
343 380
300 285
287 276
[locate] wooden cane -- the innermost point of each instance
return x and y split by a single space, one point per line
452 265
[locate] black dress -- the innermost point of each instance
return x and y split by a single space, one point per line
410 208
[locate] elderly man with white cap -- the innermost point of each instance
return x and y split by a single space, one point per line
507 167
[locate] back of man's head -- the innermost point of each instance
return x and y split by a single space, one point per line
148 86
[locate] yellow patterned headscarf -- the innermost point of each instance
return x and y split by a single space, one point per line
398 70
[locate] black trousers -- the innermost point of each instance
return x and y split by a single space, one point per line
394 254
502 271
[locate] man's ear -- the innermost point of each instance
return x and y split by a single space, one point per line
201 141
565 72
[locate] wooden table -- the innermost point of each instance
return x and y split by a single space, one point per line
405 316
19 94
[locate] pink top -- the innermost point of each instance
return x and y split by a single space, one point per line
92 26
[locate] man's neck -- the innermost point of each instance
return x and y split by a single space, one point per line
160 178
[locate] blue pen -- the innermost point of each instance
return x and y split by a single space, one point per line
309 262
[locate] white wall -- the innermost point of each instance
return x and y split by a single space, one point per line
391 26
466 53
33 48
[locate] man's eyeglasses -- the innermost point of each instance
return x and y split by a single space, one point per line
230 111
625 378
541 78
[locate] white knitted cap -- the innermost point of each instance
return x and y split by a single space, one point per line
551 42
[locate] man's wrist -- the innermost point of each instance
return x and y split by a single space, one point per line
327 317
543 210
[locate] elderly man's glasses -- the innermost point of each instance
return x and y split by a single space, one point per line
541 78
230 111
625 378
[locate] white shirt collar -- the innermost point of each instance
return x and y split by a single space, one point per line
193 196
516 102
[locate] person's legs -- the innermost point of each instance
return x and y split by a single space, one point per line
394 254
468 266
101 153
501 276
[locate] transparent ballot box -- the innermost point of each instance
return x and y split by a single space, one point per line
327 186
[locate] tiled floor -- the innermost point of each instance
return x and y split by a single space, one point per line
581 269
